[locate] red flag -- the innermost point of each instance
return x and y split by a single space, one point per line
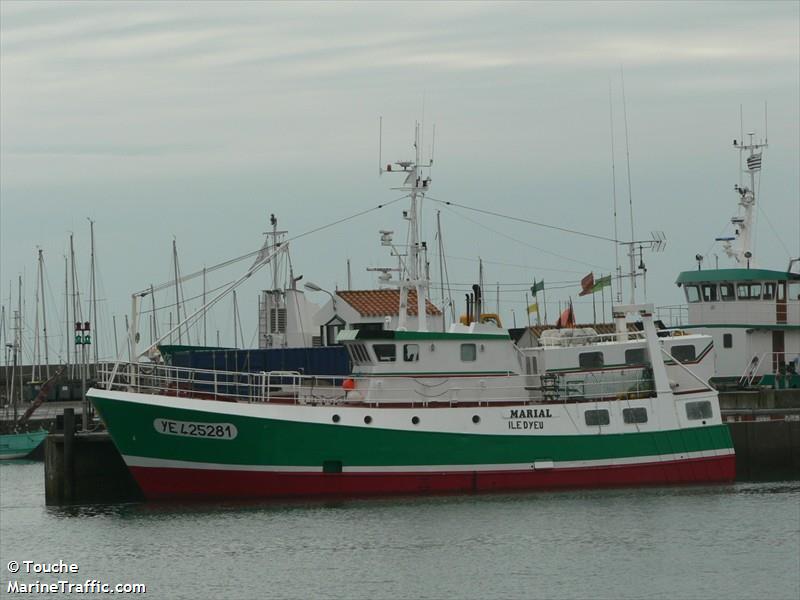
567 318
587 283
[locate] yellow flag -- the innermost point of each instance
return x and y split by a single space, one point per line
533 308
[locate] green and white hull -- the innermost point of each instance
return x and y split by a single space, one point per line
189 448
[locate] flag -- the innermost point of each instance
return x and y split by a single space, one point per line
754 162
601 283
567 318
587 283
533 308
537 287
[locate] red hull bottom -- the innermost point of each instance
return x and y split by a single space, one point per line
198 484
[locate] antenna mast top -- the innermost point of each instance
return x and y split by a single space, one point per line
416 183
740 246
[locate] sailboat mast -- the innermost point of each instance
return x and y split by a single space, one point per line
68 337
36 369
44 314
93 291
18 344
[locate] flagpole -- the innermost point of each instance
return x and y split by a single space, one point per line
603 298
544 299
527 309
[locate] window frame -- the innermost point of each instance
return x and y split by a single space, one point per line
698 410
380 357
406 353
749 287
595 414
683 360
712 294
629 362
474 352
727 340
696 289
595 364
629 415
731 295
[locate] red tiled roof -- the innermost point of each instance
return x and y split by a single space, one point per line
382 303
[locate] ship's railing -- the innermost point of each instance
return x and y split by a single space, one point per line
673 315
585 339
296 388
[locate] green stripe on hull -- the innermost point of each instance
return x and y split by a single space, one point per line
268 442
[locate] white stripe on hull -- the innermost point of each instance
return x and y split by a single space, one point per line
141 461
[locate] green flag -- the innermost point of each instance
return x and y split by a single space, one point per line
601 283
537 287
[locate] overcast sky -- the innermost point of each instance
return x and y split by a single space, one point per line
198 120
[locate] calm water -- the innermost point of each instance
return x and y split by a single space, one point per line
739 541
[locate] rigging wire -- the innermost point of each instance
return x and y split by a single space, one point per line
501 234
256 253
524 220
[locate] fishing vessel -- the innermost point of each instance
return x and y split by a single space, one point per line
424 411
752 313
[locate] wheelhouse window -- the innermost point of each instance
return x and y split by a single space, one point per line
698 410
590 360
683 354
385 352
769 291
692 293
635 356
634 415
726 292
709 292
794 291
468 352
411 352
359 354
748 291
595 418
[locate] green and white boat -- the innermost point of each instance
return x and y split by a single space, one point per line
464 410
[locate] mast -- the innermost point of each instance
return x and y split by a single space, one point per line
77 314
740 246
44 314
235 319
116 346
93 291
205 340
177 288
441 264
18 345
413 276
36 370
68 337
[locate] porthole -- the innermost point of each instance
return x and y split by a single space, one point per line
336 418
367 419
476 419
415 420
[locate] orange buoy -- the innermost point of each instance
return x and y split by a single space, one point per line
349 384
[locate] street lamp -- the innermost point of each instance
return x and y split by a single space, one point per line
313 287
